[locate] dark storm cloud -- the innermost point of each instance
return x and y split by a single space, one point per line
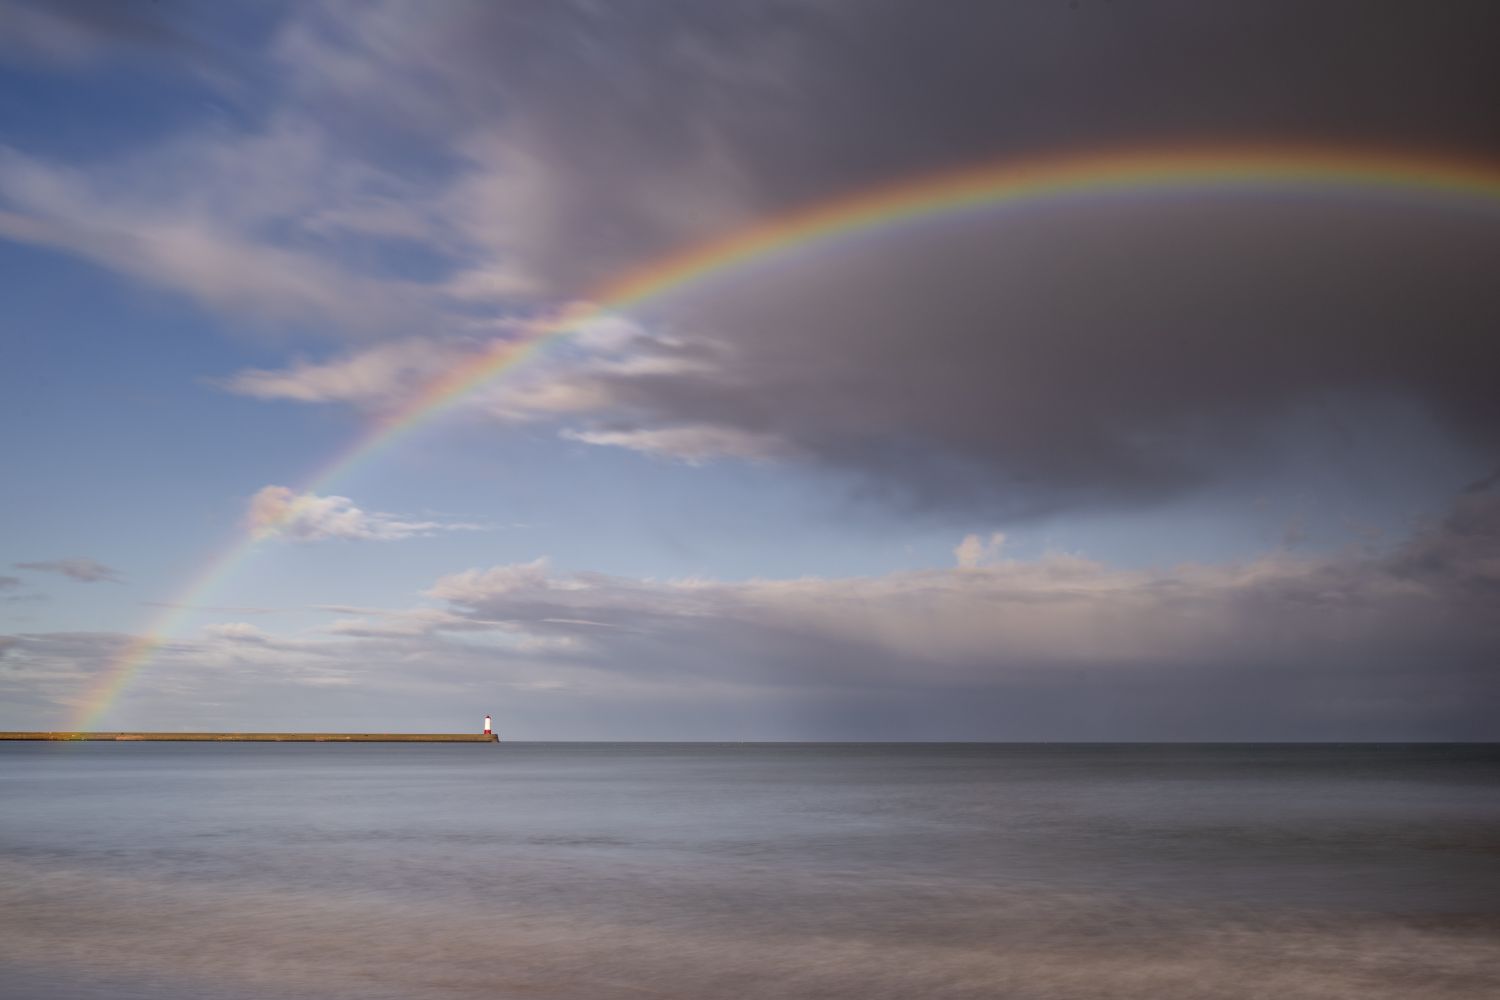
1096 355
1093 355
789 102
1084 356
77 32
1461 553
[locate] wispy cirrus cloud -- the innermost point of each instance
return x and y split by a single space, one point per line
377 377
160 217
81 570
10 583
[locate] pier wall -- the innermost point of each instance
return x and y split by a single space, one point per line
259 737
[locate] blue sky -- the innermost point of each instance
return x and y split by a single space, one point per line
1207 468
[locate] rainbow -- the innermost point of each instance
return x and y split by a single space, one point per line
977 189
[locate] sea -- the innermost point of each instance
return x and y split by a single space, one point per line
591 871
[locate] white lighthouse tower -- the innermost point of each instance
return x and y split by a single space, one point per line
488 727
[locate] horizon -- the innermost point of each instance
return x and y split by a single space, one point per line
790 373
10 736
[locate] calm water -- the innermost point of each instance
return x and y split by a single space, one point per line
748 871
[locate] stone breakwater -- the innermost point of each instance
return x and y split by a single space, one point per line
261 737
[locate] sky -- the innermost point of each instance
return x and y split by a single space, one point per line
1216 463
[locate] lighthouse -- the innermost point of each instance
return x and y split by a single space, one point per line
488 728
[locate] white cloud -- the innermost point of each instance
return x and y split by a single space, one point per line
690 443
490 283
237 632
974 551
566 377
475 585
376 376
306 517
591 372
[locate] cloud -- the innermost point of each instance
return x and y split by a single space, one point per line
82 570
375 377
396 374
1059 647
1094 355
596 140
473 586
232 676
1461 552
160 216
78 34
1087 358
45 675
237 632
37 32
194 680
1395 645
11 583
377 623
1100 353
974 551
692 444
306 517
239 610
